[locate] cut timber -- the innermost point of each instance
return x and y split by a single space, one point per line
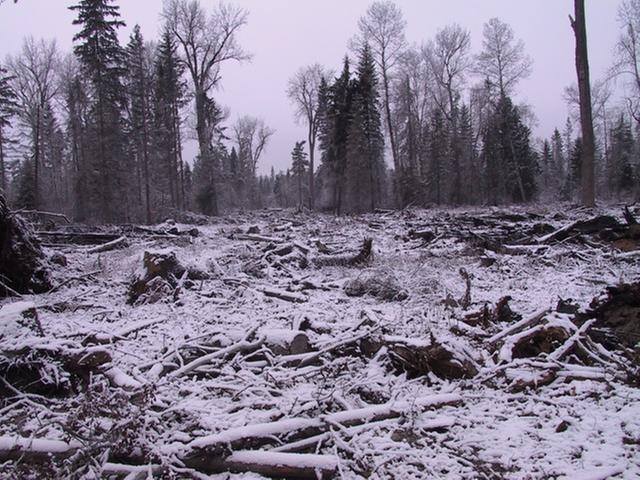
360 258
516 327
34 449
257 238
76 238
593 225
286 342
120 242
286 296
255 436
274 464
22 262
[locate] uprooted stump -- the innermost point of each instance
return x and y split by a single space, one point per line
422 358
362 257
22 263
486 316
617 314
161 274
383 287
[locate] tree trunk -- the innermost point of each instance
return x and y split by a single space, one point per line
203 142
586 117
312 148
3 181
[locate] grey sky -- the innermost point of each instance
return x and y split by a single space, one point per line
283 35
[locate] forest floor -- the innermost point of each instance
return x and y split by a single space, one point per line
470 343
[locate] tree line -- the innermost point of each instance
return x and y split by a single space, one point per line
454 131
99 133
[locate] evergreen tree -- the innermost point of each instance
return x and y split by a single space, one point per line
138 83
438 154
557 168
299 166
102 61
169 98
574 177
510 162
335 111
365 143
470 192
620 169
8 107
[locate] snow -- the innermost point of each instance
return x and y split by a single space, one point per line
164 404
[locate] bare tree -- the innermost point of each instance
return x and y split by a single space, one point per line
303 92
382 27
251 136
35 84
449 56
503 60
586 120
207 42
627 52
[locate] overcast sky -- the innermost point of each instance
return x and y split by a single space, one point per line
283 35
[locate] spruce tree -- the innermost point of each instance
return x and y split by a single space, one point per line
335 111
365 144
138 84
620 169
102 60
169 98
299 166
8 107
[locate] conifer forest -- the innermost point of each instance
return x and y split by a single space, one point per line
417 264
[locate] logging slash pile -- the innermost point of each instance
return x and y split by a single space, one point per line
413 344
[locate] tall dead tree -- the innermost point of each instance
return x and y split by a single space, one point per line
586 118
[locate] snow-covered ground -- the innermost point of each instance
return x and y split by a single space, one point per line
189 372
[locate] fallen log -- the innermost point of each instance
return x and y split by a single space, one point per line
521 325
120 242
286 296
272 464
593 225
34 449
290 429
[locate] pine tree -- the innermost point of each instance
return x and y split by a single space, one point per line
365 143
574 177
299 166
8 107
102 60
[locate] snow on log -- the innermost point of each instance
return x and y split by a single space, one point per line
522 324
120 242
286 296
273 464
286 342
291 429
33 449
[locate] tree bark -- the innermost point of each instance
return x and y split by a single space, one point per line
586 117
